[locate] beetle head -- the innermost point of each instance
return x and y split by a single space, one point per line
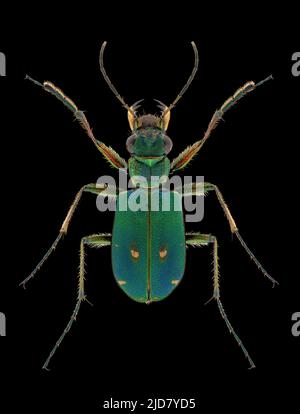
149 137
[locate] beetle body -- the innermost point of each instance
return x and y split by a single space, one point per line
148 241
148 238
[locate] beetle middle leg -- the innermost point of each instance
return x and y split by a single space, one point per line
97 241
201 189
197 240
91 188
234 229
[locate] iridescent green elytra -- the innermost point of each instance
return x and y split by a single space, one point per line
149 247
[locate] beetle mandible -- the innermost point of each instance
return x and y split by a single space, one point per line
149 247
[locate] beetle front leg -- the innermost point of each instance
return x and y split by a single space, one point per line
91 188
188 154
196 240
97 241
203 188
109 154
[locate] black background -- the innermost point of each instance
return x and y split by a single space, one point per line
178 347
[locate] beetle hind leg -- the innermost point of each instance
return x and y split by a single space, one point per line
95 240
197 240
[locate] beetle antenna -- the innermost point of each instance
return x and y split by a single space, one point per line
189 81
108 81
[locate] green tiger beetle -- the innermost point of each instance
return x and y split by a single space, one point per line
149 247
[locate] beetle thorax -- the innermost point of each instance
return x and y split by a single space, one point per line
148 156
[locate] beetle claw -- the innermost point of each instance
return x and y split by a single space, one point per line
209 300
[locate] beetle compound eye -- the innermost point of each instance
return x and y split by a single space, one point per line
168 144
130 143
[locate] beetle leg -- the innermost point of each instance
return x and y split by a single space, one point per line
95 240
197 239
203 188
186 156
111 156
234 229
92 188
